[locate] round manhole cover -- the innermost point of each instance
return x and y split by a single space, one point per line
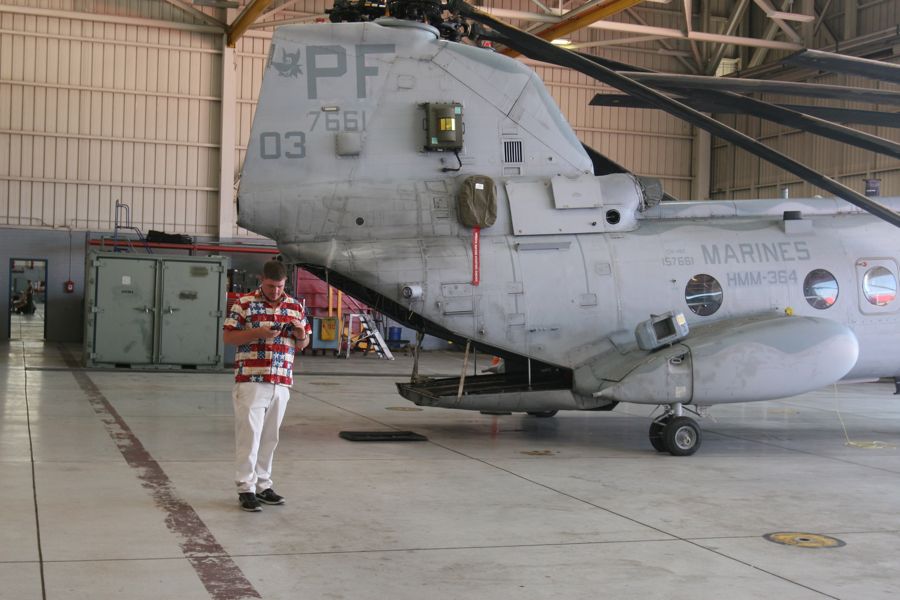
804 540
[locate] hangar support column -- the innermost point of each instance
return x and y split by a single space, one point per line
227 215
701 150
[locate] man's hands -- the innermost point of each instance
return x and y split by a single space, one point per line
299 330
238 337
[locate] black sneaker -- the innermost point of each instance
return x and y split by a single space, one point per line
269 497
249 502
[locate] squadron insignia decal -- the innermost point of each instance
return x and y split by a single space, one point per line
290 62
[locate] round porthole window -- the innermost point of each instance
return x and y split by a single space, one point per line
821 289
703 295
879 286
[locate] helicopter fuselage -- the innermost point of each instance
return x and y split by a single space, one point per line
773 297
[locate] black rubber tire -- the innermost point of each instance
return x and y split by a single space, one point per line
656 435
544 414
682 436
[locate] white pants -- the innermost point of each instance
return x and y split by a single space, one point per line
258 412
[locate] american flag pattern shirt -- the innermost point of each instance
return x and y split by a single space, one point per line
265 361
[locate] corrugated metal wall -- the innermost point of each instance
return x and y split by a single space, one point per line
251 55
92 112
144 9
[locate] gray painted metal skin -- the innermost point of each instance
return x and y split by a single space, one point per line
154 311
574 262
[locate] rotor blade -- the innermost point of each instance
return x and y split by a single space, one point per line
839 115
840 63
781 115
626 101
538 49
675 81
849 115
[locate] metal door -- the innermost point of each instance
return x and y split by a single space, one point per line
124 314
192 296
548 299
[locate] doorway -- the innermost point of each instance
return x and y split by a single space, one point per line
27 299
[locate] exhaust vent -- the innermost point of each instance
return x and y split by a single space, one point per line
512 151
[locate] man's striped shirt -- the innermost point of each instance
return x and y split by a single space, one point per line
265 361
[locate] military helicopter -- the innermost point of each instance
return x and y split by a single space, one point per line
438 182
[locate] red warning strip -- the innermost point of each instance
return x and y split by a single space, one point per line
476 255
221 577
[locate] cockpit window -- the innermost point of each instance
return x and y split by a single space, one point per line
703 294
879 286
821 289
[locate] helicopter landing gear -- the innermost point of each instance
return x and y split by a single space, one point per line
543 414
656 433
675 433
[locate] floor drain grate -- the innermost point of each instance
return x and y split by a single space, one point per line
804 540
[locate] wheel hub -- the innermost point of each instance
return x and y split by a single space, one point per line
684 438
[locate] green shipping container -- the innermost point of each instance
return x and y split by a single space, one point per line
154 311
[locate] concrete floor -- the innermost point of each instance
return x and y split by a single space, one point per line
119 485
27 327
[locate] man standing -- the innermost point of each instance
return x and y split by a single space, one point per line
268 327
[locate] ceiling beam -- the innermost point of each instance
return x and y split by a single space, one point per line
540 5
638 39
666 46
274 9
771 29
689 25
115 19
580 18
197 14
301 19
737 15
780 22
820 22
247 17
665 32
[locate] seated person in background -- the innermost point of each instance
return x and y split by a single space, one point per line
24 304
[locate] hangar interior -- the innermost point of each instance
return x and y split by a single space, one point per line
118 118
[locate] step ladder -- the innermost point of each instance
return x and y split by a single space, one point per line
368 333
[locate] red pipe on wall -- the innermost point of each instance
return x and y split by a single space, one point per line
137 244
